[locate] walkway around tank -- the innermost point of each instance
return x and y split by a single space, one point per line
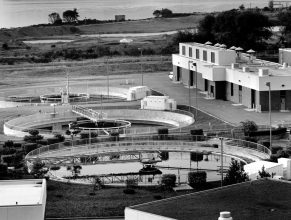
65 153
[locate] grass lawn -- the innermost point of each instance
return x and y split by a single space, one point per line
67 200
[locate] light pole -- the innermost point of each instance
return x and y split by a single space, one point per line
107 72
189 61
270 119
196 97
221 160
140 49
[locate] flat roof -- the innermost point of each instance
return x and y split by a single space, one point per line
206 46
260 199
21 192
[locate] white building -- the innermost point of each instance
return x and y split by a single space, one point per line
253 169
22 199
137 92
158 103
285 56
231 75
286 162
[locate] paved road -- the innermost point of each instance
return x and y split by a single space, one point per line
219 108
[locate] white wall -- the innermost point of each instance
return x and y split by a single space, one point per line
253 169
138 92
158 103
286 162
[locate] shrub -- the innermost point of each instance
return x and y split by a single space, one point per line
8 144
55 168
164 155
196 156
196 132
158 197
215 145
60 137
168 180
8 151
17 145
129 191
52 141
248 126
42 142
5 46
197 179
30 147
131 183
275 149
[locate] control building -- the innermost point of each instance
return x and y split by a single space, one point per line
234 76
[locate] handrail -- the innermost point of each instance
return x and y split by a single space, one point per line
146 139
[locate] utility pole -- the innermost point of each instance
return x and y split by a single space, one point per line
270 118
221 160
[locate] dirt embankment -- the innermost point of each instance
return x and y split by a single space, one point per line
36 32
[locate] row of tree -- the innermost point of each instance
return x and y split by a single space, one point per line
69 16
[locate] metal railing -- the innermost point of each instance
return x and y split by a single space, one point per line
147 140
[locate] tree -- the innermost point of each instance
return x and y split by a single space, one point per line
38 169
284 18
71 15
8 144
271 5
248 126
3 171
76 170
263 173
166 13
242 7
206 27
33 136
235 174
5 46
157 13
54 18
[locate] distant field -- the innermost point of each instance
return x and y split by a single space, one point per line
144 26
138 26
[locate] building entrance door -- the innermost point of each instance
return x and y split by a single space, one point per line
191 78
283 99
283 103
178 77
212 91
239 94
205 84
253 99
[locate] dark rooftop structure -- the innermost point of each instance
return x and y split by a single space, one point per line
260 199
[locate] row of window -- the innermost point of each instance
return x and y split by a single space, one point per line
204 56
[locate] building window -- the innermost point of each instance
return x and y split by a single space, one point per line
212 57
183 50
190 51
197 54
231 89
204 55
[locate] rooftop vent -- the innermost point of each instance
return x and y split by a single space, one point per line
263 72
225 216
246 69
234 66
